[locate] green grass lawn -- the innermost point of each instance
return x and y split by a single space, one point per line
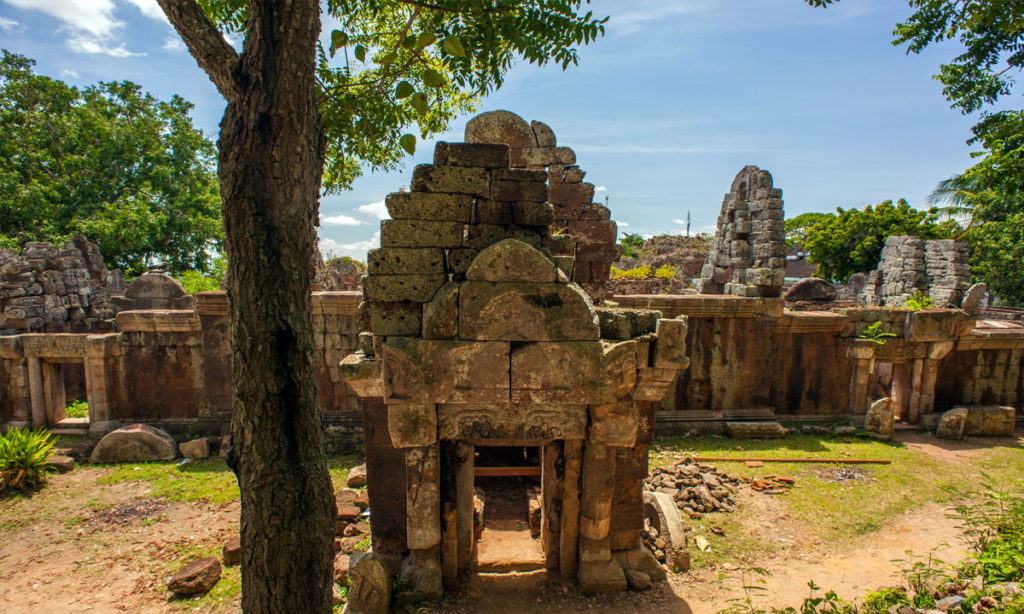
829 512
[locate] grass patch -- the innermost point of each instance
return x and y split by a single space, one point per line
825 511
222 596
78 408
207 480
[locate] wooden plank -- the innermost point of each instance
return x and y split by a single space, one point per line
823 461
505 472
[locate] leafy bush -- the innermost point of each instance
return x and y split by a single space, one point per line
875 334
631 244
77 409
24 457
993 522
665 271
640 272
918 301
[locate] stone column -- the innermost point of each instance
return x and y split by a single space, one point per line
552 486
100 383
466 538
17 398
37 391
568 563
421 570
916 369
53 388
860 381
597 572
901 391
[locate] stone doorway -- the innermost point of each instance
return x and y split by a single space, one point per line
507 485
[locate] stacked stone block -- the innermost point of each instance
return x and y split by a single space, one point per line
748 255
534 147
910 264
480 337
55 289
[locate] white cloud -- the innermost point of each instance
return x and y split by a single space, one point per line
679 221
91 23
600 188
67 73
340 220
357 250
622 224
150 9
9 25
173 43
84 43
378 209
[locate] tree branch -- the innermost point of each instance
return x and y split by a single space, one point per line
204 42
446 9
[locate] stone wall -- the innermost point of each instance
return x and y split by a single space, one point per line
909 264
748 255
52 289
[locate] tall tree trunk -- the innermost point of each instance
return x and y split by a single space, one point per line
271 163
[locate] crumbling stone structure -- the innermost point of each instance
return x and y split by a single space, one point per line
748 256
479 338
53 289
938 268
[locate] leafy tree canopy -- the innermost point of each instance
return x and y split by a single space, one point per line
631 244
107 161
851 241
796 227
395 65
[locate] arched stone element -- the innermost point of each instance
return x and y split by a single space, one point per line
500 127
512 260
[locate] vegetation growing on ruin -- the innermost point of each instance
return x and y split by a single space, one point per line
108 161
852 240
24 458
79 408
919 300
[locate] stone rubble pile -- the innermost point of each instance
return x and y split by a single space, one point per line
909 264
352 527
695 487
748 256
57 289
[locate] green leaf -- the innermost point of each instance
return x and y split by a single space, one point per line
454 47
432 78
425 38
338 40
408 143
360 53
409 42
419 102
404 89
388 58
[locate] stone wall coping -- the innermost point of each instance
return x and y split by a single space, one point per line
11 347
812 322
336 303
212 303
704 305
158 321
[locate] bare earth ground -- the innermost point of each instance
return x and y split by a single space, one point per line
81 547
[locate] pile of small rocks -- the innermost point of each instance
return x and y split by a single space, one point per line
695 487
351 527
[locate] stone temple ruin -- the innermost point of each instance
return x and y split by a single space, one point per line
748 255
484 326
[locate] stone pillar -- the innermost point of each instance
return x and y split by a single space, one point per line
36 391
466 538
900 393
16 398
860 382
568 563
421 571
552 486
53 390
385 484
597 571
916 369
100 383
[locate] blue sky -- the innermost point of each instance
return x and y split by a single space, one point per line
662 112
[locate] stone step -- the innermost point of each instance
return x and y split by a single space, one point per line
70 431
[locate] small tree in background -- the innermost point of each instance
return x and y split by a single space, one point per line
851 241
110 162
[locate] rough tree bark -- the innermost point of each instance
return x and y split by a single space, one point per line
271 163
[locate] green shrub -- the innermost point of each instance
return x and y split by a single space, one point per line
640 272
875 334
919 300
665 271
24 457
194 281
77 409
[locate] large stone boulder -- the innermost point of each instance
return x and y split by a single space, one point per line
952 424
991 421
880 422
811 289
356 477
134 443
369 585
197 576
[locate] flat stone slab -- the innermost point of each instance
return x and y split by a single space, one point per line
756 430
